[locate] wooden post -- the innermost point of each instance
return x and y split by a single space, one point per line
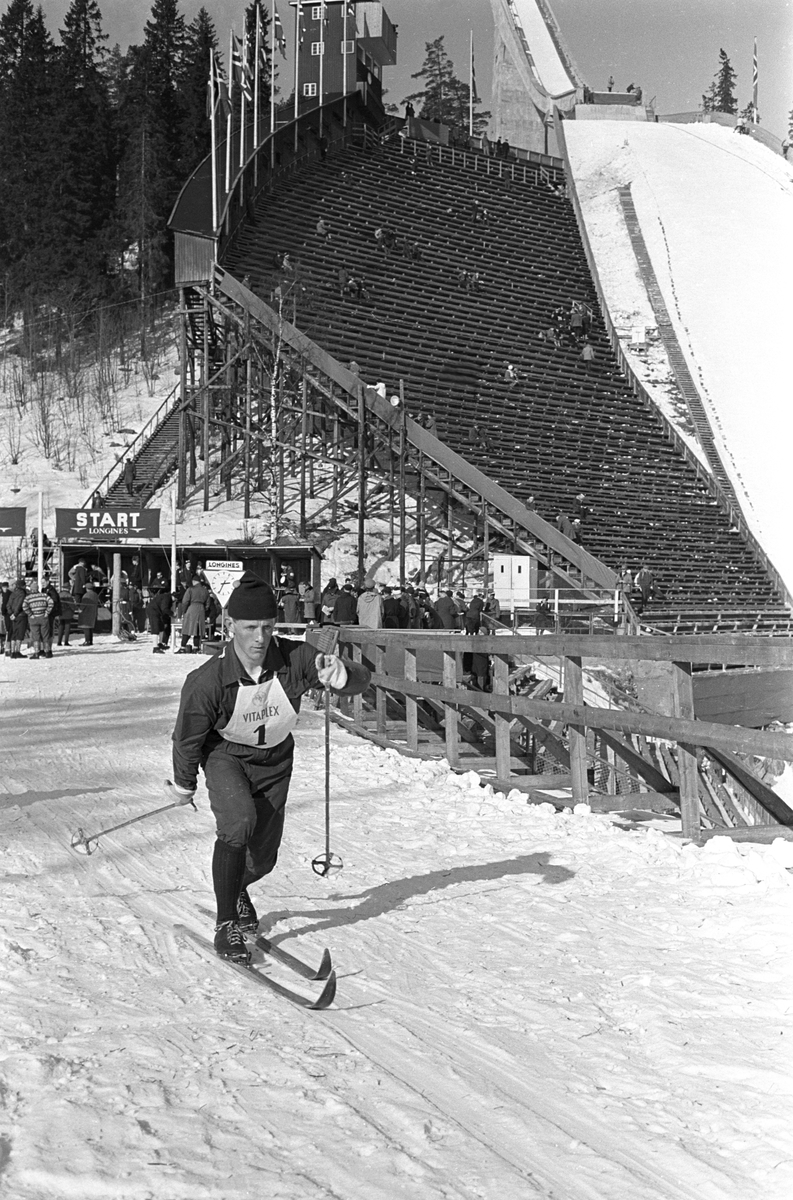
247 452
574 694
403 431
382 696
357 701
303 435
115 616
502 724
421 521
205 371
683 700
451 716
411 708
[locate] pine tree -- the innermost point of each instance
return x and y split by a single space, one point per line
267 69
87 163
196 137
720 96
444 97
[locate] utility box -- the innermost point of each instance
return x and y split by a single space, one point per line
515 580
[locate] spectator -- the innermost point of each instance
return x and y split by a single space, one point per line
370 607
506 148
291 605
67 615
309 604
410 600
644 583
344 607
37 607
323 229
447 611
565 526
345 282
158 611
410 111
610 84
390 609
430 618
329 595
129 476
492 607
194 615
587 354
136 607
577 531
78 577
473 614
510 375
462 607
55 612
87 613
5 592
17 618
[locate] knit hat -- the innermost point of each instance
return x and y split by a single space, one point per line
252 600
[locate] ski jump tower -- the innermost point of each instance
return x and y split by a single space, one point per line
533 73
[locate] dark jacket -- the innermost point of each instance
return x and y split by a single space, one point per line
473 615
290 602
158 611
447 611
345 609
89 606
68 606
391 612
209 695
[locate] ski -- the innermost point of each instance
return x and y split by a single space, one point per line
323 971
324 1000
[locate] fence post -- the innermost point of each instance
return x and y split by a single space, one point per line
574 694
683 693
357 701
502 723
411 708
381 695
450 712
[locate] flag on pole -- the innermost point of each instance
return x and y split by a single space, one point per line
280 36
242 70
474 93
302 33
755 111
12 522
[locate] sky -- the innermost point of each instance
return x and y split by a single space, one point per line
669 47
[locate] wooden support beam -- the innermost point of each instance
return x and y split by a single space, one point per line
574 694
451 717
637 762
411 716
380 694
683 705
502 724
762 793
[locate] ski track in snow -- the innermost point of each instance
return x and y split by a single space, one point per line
530 1004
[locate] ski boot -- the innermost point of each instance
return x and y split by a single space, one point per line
229 942
247 920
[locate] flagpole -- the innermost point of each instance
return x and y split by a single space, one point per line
321 59
344 63
755 110
229 124
257 52
471 88
243 65
298 17
40 546
272 71
213 141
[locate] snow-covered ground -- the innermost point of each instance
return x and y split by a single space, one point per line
716 211
530 1003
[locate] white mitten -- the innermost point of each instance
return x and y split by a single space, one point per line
332 671
175 794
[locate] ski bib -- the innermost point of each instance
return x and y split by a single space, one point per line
263 715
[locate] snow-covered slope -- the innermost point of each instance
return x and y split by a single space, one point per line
531 1003
546 60
716 212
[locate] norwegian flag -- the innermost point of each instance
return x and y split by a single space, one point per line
242 71
278 30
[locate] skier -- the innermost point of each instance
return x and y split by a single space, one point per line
235 719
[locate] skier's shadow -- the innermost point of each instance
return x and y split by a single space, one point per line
389 896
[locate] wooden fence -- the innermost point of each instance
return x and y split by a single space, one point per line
417 686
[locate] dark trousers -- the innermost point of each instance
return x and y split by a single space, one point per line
64 629
247 793
89 637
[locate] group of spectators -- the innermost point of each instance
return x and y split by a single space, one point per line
403 606
40 617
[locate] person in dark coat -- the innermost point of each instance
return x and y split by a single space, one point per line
473 615
447 611
158 612
290 601
390 609
55 612
327 600
345 608
129 476
16 618
68 613
565 526
77 577
194 615
5 592
86 614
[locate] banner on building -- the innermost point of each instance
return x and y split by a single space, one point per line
108 524
12 522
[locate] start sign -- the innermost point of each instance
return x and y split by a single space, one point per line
109 523
222 578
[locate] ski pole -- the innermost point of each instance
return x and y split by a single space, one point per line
323 864
82 841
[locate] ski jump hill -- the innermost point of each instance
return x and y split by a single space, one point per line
688 229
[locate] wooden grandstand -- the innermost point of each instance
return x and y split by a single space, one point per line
563 428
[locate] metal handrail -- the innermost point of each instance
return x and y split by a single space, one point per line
145 433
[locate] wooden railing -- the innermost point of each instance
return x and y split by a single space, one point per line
417 668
